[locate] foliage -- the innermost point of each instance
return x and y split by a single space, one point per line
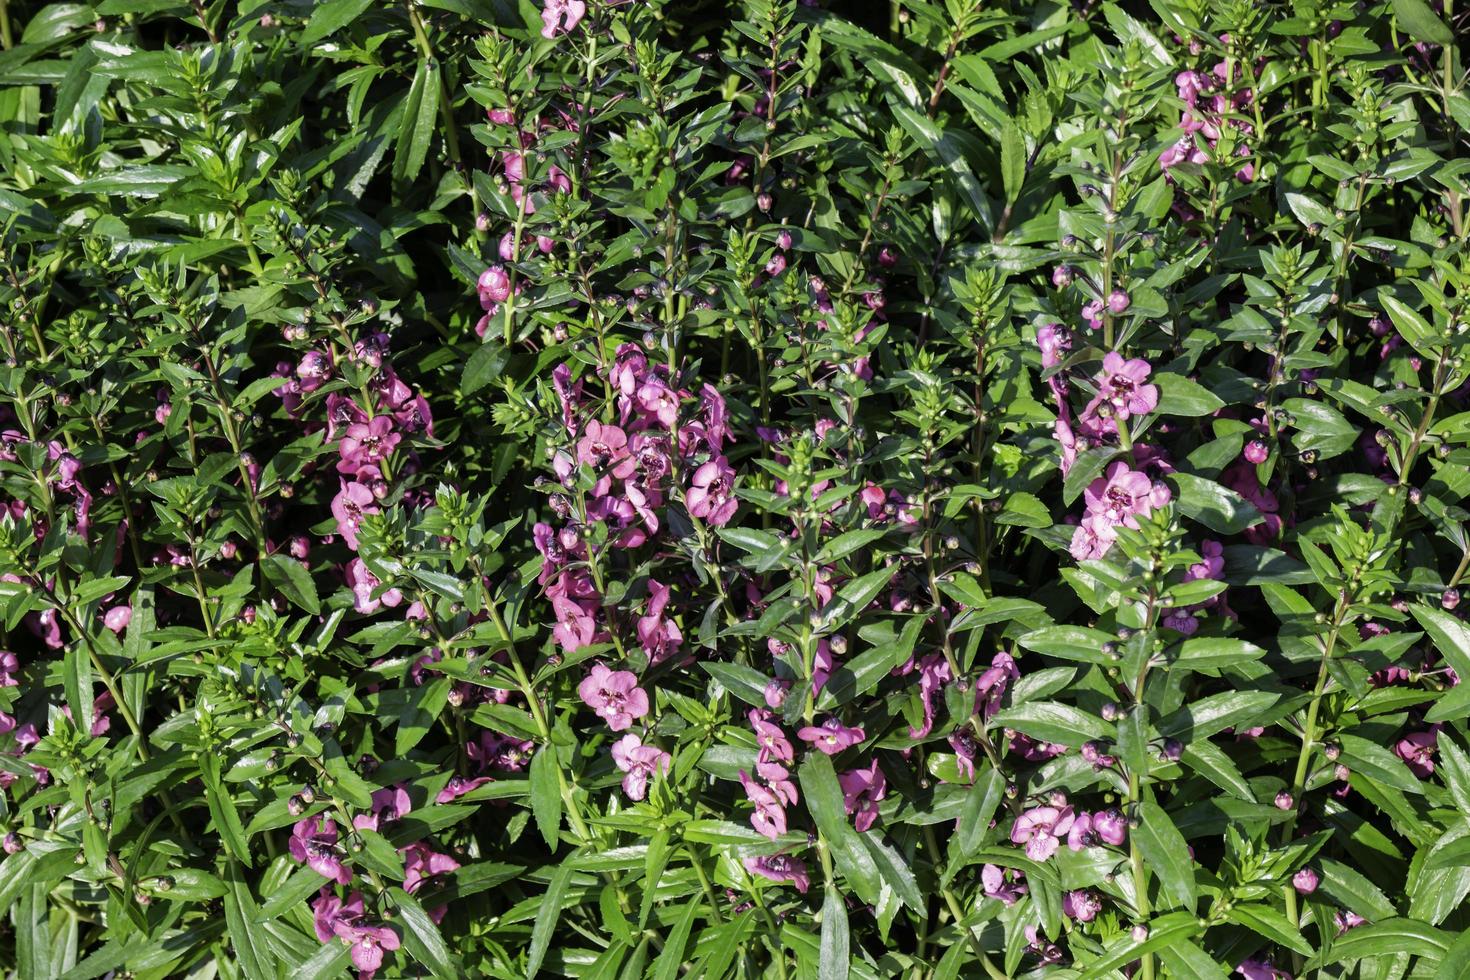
733 489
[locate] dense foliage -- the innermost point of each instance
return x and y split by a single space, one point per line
606 489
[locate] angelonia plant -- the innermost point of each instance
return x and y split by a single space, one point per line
751 488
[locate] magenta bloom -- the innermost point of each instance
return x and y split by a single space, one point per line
712 496
1261 970
1122 385
389 805
601 444
352 502
780 868
494 286
1081 905
368 944
1123 496
561 17
421 863
831 736
774 746
615 696
1005 885
575 625
314 841
363 584
117 618
659 636
1417 751
367 444
1082 835
769 817
1306 881
861 791
1110 826
640 762
991 688
1041 829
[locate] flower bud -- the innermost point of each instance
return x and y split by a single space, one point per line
1284 801
1305 881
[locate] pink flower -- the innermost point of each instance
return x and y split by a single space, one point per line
351 504
861 791
712 495
774 746
314 841
831 736
368 944
1081 905
389 805
1041 829
1054 341
1081 836
615 696
458 786
601 445
575 625
781 868
364 584
494 286
1110 826
1417 751
1256 452
1123 496
1121 385
421 863
1005 885
659 636
640 762
1092 539
1261 970
117 618
991 687
367 444
1306 881
561 17
769 817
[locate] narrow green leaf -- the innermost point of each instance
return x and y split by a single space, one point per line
833 964
1166 854
546 794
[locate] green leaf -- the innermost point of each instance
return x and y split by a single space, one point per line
1208 715
848 542
247 938
1166 854
546 794
547 916
1421 22
222 809
421 937
1266 921
331 16
1180 396
1088 466
745 683
1053 722
943 148
1012 160
1218 508
666 967
487 363
293 581
1069 643
1452 639
1320 428
1390 936
1377 762
416 129
1347 887
1216 651
834 955
1163 932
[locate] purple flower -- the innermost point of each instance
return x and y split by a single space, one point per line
1081 836
1110 826
1121 385
769 817
389 805
659 636
575 626
615 696
831 736
421 863
640 762
991 687
1261 970
1256 452
561 17
779 867
1006 885
1123 496
1081 905
861 791
1041 829
367 444
1306 881
774 745
711 497
314 841
1417 751
352 502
